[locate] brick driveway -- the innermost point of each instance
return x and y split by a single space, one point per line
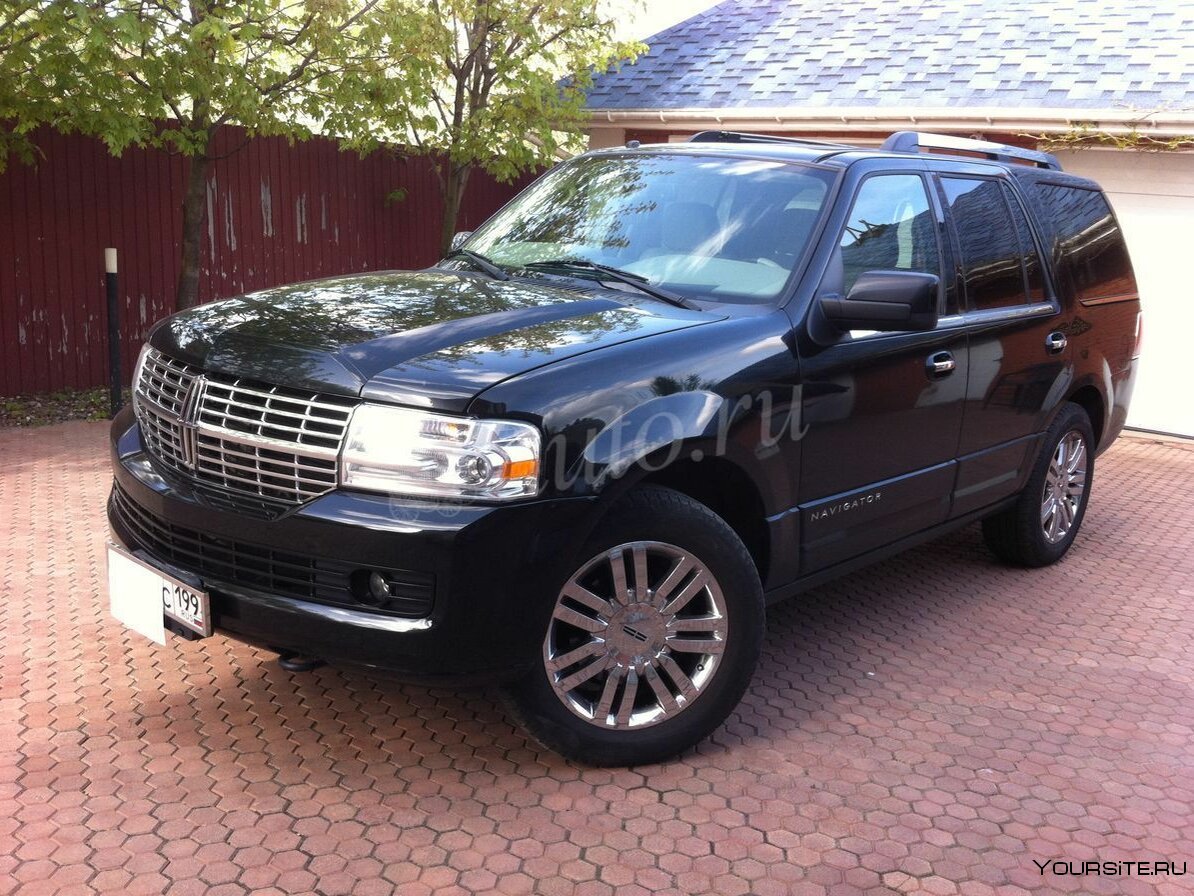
933 725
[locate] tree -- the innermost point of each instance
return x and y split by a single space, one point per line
172 73
23 106
489 83
495 84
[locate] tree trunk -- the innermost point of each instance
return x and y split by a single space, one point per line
194 215
453 193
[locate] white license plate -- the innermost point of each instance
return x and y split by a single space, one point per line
142 596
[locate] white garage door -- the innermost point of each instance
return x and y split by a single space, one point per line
1153 196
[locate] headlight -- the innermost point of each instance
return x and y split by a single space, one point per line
411 452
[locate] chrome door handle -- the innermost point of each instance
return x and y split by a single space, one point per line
1056 342
941 364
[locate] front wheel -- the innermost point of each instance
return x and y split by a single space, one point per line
1040 527
651 641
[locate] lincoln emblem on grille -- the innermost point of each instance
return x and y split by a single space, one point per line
188 421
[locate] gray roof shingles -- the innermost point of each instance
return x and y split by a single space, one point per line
1079 54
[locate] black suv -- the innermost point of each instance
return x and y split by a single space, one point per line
660 389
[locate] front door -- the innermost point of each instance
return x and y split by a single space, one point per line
882 411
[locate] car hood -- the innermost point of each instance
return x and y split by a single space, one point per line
431 339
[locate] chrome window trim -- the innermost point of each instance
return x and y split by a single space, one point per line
1008 314
970 320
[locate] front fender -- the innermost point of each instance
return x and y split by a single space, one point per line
666 422
754 434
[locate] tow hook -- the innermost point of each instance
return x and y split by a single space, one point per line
296 662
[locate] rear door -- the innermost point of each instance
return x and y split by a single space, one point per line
882 421
1019 358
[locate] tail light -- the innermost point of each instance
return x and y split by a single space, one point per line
1139 335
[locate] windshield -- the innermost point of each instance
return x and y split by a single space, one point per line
707 227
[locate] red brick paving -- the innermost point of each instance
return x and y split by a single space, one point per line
930 725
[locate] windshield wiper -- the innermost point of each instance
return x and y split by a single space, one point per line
639 282
481 262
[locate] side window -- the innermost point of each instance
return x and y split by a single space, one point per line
1091 241
891 228
1034 272
987 238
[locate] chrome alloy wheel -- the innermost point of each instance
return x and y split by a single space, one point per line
1065 484
636 635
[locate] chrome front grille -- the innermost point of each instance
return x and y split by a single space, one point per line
239 466
238 437
280 415
161 392
165 382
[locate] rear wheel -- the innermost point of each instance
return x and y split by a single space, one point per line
1040 527
652 639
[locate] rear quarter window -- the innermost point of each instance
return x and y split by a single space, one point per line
1090 242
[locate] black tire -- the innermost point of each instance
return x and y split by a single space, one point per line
1019 534
653 519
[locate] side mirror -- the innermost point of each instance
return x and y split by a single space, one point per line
460 239
886 300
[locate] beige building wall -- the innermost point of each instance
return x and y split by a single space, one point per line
1153 197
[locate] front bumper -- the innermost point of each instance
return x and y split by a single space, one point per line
481 578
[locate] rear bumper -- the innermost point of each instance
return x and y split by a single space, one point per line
1121 388
480 579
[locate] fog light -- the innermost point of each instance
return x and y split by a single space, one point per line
371 588
379 588
401 592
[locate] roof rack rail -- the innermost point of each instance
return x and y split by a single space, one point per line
738 137
914 141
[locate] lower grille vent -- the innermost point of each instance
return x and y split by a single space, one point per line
411 594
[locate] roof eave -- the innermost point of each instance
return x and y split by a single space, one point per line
864 119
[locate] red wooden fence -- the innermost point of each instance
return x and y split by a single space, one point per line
276 213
